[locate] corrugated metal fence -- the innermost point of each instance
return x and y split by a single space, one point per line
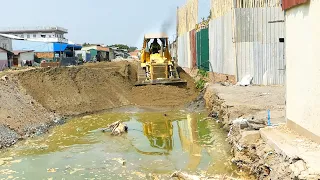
249 41
259 50
203 49
183 51
222 57
193 49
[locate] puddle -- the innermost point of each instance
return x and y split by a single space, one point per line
156 143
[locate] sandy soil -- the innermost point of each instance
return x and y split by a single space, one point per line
99 86
32 100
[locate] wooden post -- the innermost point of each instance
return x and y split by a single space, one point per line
233 22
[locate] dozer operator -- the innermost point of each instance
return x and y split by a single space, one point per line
155 46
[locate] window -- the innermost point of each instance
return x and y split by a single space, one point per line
22 35
28 36
49 36
43 35
34 35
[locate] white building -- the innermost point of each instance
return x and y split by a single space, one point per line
303 67
45 33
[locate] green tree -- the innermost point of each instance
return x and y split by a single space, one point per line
132 48
85 44
120 46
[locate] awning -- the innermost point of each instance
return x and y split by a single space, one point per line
63 46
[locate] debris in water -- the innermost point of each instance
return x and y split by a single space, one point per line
52 170
7 171
185 176
7 159
121 161
139 174
76 170
116 128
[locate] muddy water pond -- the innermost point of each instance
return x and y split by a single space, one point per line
157 144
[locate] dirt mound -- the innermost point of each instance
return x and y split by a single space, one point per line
76 90
99 86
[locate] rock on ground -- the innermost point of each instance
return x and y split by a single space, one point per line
249 137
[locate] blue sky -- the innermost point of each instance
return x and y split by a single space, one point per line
98 21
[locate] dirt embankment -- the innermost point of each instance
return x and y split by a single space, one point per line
251 153
31 101
20 115
96 87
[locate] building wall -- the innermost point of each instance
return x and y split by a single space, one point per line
6 43
303 68
39 35
26 56
3 60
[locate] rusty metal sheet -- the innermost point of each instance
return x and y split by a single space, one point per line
193 48
286 4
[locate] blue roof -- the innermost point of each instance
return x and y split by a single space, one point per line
42 46
63 46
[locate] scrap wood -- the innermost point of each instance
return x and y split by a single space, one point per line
116 128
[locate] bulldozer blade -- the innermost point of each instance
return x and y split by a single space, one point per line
177 82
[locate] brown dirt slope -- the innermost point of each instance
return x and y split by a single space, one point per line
99 86
20 114
17 108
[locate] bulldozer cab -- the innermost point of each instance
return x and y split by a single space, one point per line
156 64
152 52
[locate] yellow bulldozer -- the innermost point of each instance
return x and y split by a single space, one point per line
156 64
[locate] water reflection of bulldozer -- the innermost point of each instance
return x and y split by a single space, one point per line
159 134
